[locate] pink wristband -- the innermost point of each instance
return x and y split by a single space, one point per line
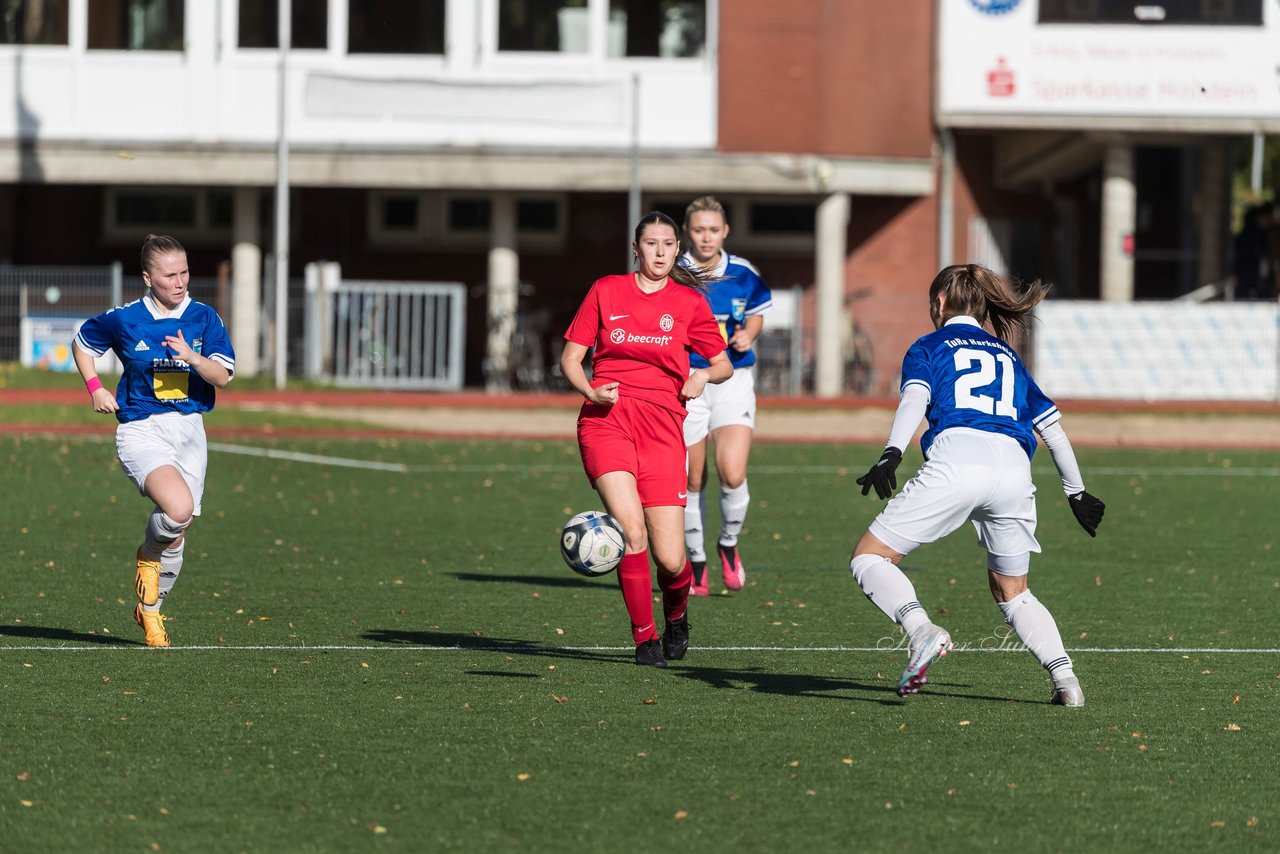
93 385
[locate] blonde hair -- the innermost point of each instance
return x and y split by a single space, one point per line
704 203
156 245
974 290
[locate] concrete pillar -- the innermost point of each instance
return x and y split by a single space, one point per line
829 314
246 282
1211 211
1119 220
504 293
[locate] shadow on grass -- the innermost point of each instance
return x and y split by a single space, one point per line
54 633
567 580
509 646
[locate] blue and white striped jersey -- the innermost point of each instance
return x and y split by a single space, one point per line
154 381
739 294
975 380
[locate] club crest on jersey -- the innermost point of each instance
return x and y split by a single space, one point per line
666 323
739 309
197 344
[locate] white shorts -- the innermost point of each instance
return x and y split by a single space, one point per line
970 474
730 402
170 439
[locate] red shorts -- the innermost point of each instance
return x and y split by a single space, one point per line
639 437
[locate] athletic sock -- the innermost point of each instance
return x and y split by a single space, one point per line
694 522
1035 627
733 513
161 532
637 594
170 566
675 591
890 590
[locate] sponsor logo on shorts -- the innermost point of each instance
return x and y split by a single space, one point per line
682 495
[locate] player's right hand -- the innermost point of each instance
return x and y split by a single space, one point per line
883 474
1088 511
605 395
104 401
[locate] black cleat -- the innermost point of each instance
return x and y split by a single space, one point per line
650 653
675 643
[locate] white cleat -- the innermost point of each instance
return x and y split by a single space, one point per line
1068 693
928 645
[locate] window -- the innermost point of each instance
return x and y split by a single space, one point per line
777 224
1239 13
186 213
543 26
662 28
460 220
783 219
396 26
33 22
135 25
308 24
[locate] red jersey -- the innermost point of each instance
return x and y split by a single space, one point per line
643 340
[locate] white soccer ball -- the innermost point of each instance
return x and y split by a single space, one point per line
591 543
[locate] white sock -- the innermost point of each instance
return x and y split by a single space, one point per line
694 518
1035 627
170 566
890 590
733 512
161 532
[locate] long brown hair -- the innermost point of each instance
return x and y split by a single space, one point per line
690 277
974 290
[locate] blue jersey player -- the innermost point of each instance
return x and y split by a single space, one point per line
175 352
984 411
726 413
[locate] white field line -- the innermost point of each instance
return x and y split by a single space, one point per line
318 459
392 647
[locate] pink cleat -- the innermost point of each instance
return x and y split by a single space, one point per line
734 575
700 586
927 646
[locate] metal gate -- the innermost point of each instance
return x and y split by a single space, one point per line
406 335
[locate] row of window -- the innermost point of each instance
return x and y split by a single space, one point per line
404 218
636 28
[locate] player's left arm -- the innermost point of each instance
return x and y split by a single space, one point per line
1086 508
210 370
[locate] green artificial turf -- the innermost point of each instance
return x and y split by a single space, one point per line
398 659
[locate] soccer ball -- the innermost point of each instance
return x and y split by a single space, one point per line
591 543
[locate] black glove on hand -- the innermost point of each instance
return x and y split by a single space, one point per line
881 475
1088 511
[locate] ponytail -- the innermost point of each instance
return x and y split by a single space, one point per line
976 291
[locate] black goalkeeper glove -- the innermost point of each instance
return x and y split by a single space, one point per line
1088 511
882 475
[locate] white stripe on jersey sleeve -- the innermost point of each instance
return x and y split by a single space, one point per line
1045 419
761 308
79 342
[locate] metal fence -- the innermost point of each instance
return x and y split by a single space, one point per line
42 306
405 335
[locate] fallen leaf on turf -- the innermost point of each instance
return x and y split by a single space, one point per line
559 631
964 723
1252 822
522 777
681 815
847 761
1236 700
651 702
1142 747
1217 824
795 763
27 803
810 792
108 679
24 776
1231 728
559 699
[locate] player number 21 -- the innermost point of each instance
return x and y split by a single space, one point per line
969 380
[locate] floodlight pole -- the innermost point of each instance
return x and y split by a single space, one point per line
282 198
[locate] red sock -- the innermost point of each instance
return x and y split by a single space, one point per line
637 594
675 591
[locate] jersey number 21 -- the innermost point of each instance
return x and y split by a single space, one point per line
988 365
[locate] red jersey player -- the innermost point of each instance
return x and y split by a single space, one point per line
631 427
